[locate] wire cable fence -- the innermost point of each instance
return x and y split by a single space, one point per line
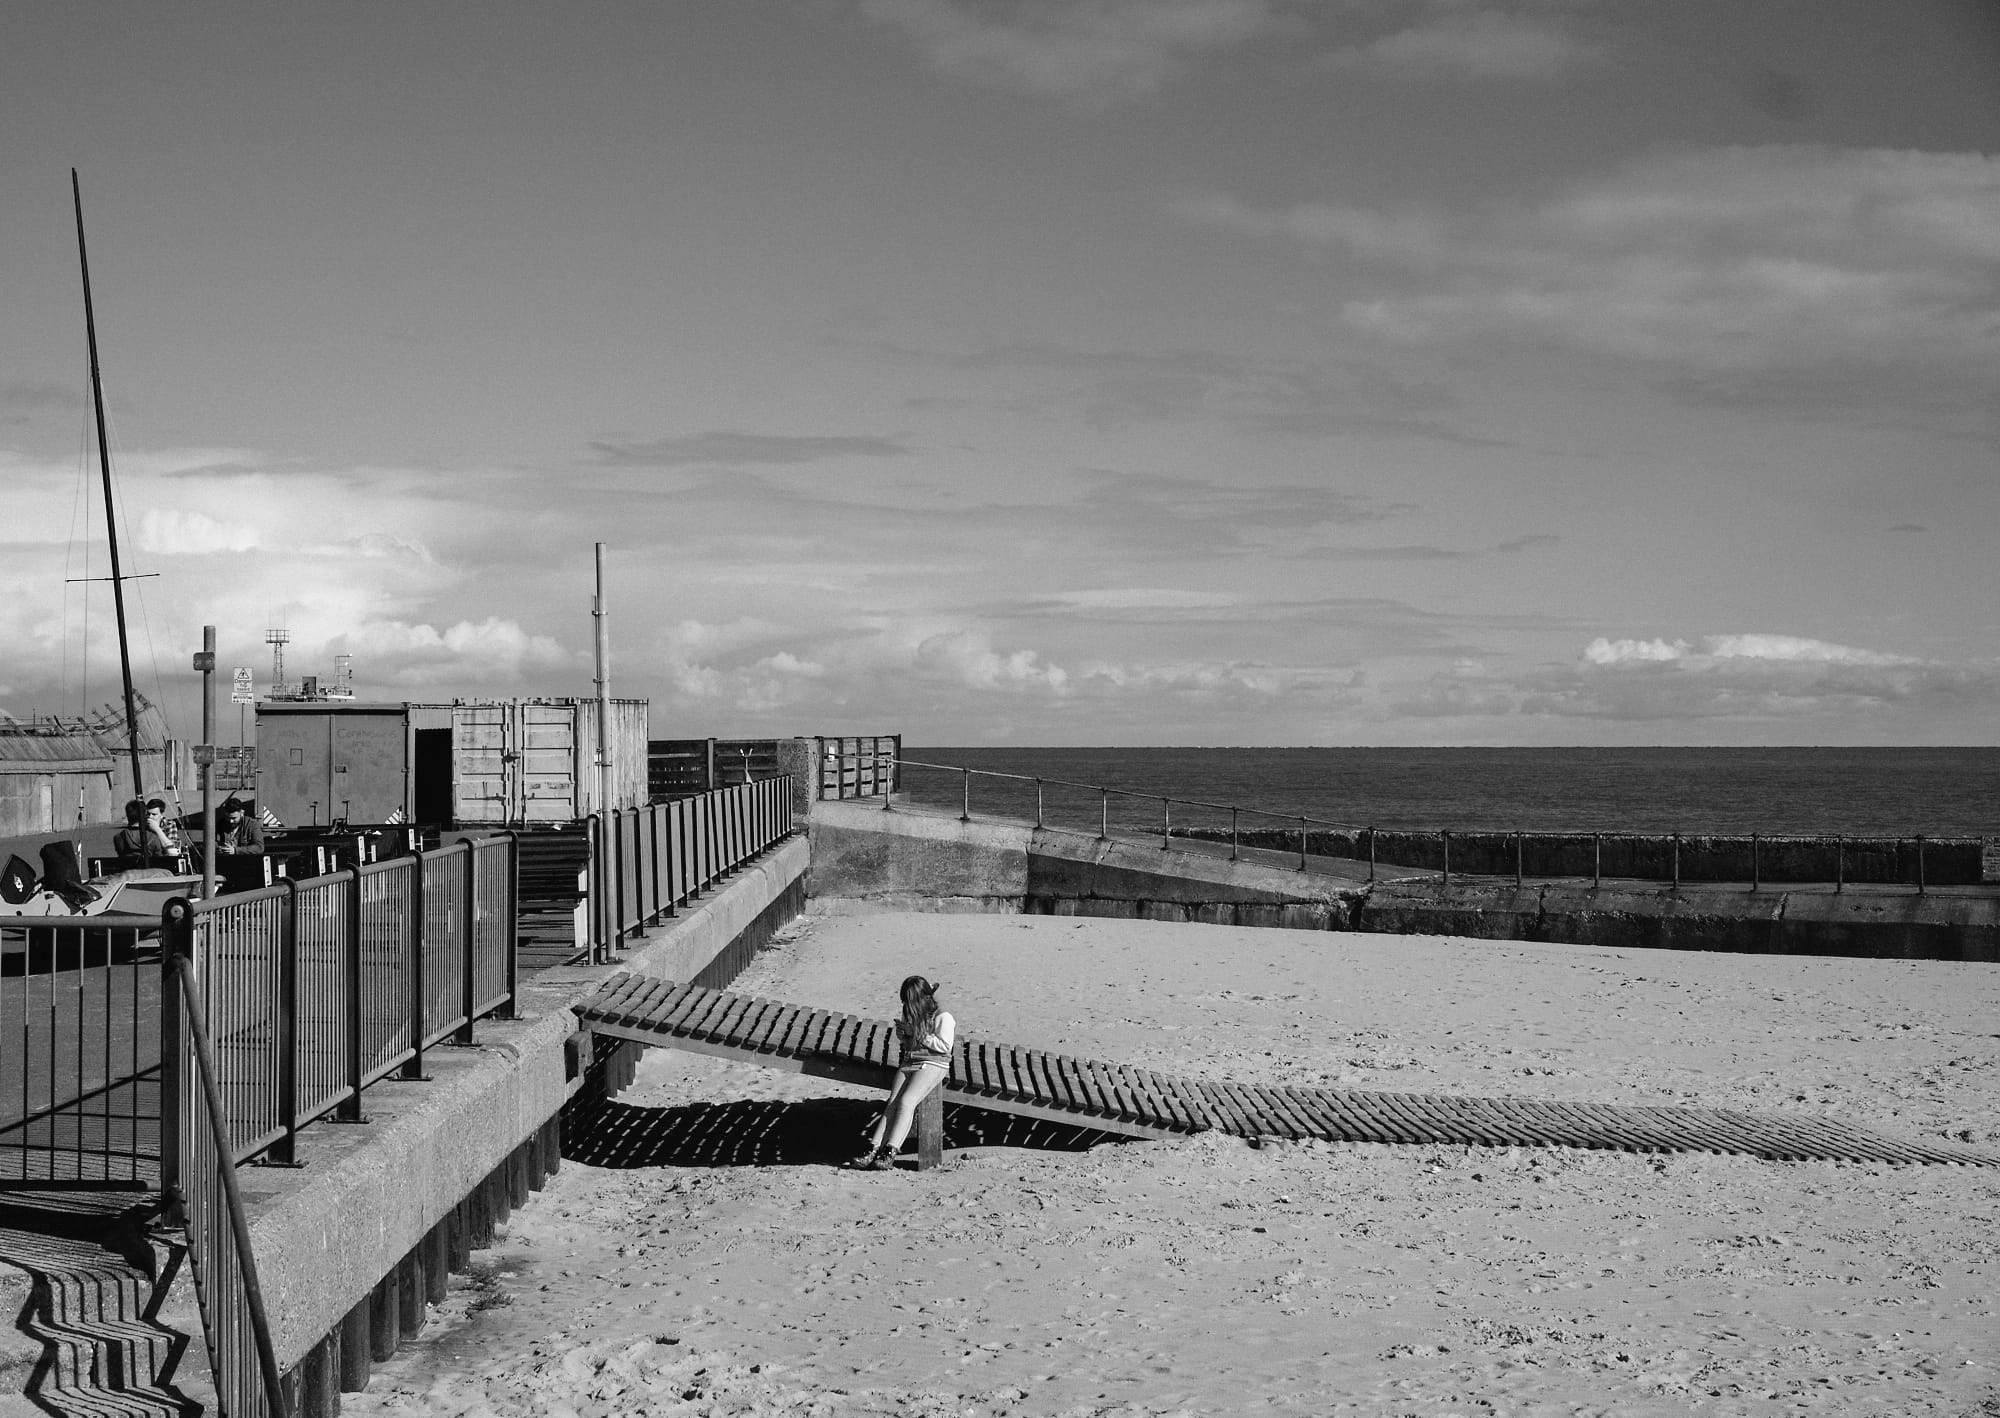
1365 852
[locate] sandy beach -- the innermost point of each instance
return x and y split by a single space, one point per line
709 1258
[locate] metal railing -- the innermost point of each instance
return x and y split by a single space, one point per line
201 1190
1914 861
646 862
79 1055
316 989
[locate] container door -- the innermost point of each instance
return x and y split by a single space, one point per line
548 762
483 778
370 767
295 768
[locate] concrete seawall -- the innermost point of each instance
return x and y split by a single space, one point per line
370 1198
865 857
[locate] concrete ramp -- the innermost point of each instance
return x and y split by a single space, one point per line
1134 1102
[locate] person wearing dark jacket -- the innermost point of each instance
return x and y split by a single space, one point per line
237 831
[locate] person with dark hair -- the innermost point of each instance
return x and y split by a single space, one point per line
143 840
237 831
925 1032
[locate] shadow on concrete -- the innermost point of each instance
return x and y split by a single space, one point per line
815 1131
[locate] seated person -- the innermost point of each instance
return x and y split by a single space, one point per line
143 840
237 831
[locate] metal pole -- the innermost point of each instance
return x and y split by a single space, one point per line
604 754
1517 861
1302 844
205 662
1596 860
1839 865
110 516
1447 859
1167 823
1234 854
1677 861
1920 864
965 796
1756 863
1103 814
1038 804
1371 854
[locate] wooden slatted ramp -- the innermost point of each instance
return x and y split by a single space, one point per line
1137 1103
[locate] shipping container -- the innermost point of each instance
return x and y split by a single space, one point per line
487 762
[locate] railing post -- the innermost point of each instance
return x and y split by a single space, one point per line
512 907
1920 864
468 997
1596 860
350 1106
1166 823
1235 854
284 1152
1302 844
413 1067
1677 861
1756 862
1839 864
1038 804
1371 854
1447 857
965 799
1103 813
176 938
1517 861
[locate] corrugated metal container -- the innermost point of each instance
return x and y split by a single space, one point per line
495 762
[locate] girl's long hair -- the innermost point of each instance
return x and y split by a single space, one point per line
920 1007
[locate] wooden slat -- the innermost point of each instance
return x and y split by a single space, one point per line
771 1021
689 1003
796 1025
1045 1087
703 1008
1010 1073
959 1074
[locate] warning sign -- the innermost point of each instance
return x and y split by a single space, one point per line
246 689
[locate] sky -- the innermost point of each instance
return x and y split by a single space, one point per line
1141 372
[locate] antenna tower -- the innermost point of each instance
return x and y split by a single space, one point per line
277 640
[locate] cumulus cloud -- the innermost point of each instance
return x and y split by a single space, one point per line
1788 649
175 531
489 651
1743 262
1088 53
1474 44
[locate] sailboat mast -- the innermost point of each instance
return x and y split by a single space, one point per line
110 519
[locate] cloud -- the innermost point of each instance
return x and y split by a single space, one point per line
491 651
1513 546
1747 272
1474 44
174 531
734 449
1088 53
1793 649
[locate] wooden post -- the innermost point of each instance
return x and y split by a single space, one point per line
930 1130
355 1347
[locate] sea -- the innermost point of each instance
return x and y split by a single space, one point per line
1938 792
